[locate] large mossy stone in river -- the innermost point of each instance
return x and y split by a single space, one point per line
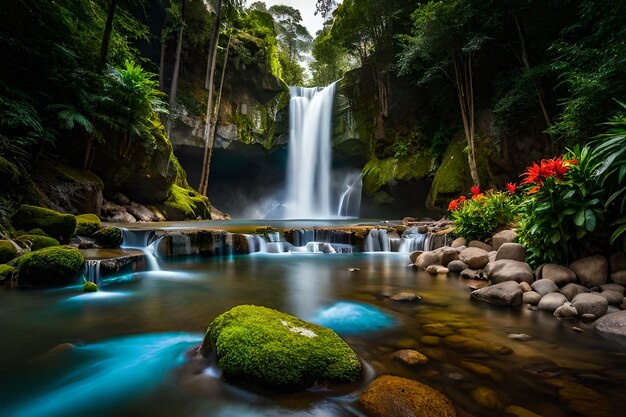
36 242
185 204
7 251
108 237
57 225
55 266
87 225
268 349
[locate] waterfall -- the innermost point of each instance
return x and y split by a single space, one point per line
309 164
140 240
92 271
350 199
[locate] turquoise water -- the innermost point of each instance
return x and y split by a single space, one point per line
130 341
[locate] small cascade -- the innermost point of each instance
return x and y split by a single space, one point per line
325 247
152 262
92 271
256 243
350 199
377 241
136 239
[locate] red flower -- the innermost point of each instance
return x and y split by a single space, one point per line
461 199
477 196
532 175
534 190
475 190
454 204
511 186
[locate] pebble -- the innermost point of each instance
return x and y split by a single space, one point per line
487 398
519 336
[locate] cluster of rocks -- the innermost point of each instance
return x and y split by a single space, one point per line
122 210
587 289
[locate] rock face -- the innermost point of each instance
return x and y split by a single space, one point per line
53 266
612 326
392 396
475 258
590 304
509 270
508 294
557 273
513 251
269 349
592 271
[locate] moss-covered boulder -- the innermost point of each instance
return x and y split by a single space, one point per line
108 237
6 272
37 232
54 266
7 251
57 225
265 348
87 225
185 204
90 287
36 242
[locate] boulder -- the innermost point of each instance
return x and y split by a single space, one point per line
505 236
427 259
544 286
448 255
410 357
277 351
413 256
492 255
587 303
57 225
53 266
141 213
6 272
392 396
36 242
508 294
613 287
482 245
566 312
459 241
457 266
612 297
123 217
470 274
619 277
618 261
108 237
475 258
87 225
572 290
513 251
561 275
509 270
550 302
591 271
531 298
612 326
7 251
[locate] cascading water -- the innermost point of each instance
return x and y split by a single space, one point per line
309 165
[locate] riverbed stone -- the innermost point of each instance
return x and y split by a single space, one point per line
475 258
392 396
427 259
509 270
430 340
518 411
560 274
513 251
459 241
612 326
531 297
469 273
457 266
406 296
612 297
591 271
544 286
525 286
566 312
438 329
410 357
550 302
505 236
572 290
584 400
432 269
613 287
618 261
619 277
507 294
442 270
487 398
588 303
482 245
448 254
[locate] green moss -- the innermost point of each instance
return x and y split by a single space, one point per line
6 272
185 204
7 251
275 350
379 172
60 265
452 178
36 242
90 287
76 174
57 225
108 237
87 225
37 232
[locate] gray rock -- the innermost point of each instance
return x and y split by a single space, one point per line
141 213
470 274
561 275
509 270
123 217
457 266
613 309
513 251
448 255
525 286
475 258
508 294
619 277
482 245
505 236
572 290
612 297
426 259
121 199
613 287
587 317
590 304
550 302
531 298
413 256
459 241
544 286
612 326
566 312
460 249
591 271
618 262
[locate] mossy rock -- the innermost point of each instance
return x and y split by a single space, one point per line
109 237
36 242
6 272
54 266
380 172
90 287
265 348
57 225
185 204
37 232
87 225
7 251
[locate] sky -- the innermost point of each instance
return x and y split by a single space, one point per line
307 10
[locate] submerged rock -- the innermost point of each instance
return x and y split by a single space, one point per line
392 396
270 349
408 296
410 357
487 398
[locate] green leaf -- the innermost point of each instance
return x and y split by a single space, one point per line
579 219
556 236
590 220
618 232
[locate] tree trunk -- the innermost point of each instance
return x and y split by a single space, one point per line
465 92
106 36
87 153
208 84
162 65
174 86
207 163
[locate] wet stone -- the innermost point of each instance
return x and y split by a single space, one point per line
487 398
406 296
531 298
410 357
437 329
430 340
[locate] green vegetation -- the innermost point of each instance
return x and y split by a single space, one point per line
87 225
278 351
108 237
52 266
6 272
185 204
57 225
36 242
7 251
90 287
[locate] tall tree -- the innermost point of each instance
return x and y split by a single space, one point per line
106 36
176 71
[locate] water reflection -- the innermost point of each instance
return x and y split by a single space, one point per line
353 318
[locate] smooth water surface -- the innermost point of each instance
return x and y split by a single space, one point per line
131 338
